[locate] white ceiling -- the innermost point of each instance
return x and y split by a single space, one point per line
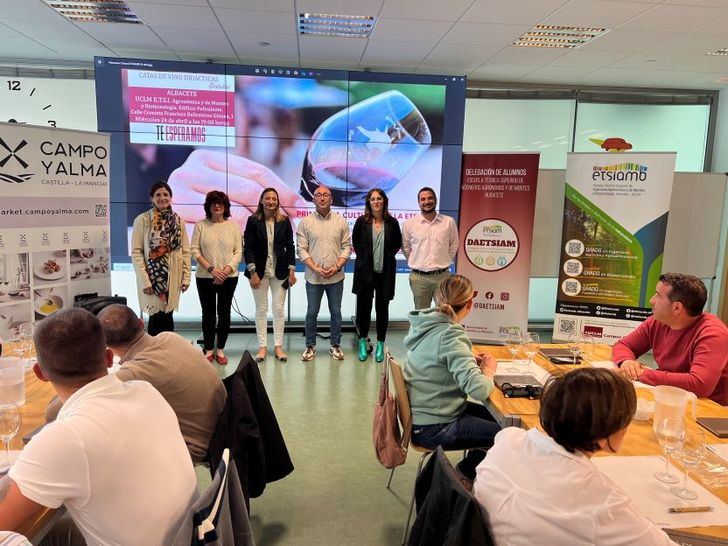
652 43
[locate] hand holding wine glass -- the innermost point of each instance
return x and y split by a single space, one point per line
10 421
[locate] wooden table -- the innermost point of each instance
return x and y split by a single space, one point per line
37 395
639 440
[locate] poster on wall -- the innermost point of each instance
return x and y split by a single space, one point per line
54 220
497 200
615 218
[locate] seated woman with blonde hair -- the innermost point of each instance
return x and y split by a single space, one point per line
542 488
441 371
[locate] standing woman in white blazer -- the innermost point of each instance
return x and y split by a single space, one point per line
160 252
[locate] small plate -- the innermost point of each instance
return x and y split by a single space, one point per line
47 305
41 273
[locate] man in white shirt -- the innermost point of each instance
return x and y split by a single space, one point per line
323 242
115 457
429 242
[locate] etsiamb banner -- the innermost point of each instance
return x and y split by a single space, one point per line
54 220
497 200
615 218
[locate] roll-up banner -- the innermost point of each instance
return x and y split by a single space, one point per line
613 236
497 200
54 220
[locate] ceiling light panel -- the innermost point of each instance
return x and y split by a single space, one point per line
556 36
342 26
95 11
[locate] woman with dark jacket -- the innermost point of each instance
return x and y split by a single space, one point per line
377 239
270 260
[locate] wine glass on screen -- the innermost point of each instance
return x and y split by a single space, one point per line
371 144
10 421
690 455
531 344
670 432
513 341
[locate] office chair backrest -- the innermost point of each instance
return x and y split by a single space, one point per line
400 395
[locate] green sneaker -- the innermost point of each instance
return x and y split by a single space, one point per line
379 352
363 349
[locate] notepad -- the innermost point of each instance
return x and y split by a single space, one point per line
716 425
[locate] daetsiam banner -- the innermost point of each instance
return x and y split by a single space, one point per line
615 217
54 220
497 200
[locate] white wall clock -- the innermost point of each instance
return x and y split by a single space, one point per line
70 104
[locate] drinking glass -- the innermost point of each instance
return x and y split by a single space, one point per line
690 455
670 432
530 346
371 144
574 346
513 340
10 421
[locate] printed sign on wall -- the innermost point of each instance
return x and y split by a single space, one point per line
54 220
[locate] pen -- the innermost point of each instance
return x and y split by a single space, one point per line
688 509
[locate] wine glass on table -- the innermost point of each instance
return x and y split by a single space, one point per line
531 343
690 455
513 341
670 432
10 421
574 346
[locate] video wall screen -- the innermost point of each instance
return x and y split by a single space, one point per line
241 129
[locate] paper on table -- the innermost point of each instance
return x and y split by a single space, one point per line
505 367
721 450
609 365
652 497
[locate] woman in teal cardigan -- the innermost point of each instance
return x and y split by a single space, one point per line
441 372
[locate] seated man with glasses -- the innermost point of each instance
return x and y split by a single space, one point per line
323 243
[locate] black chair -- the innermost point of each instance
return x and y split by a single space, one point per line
447 513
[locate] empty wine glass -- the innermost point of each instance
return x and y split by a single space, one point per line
670 432
574 346
371 144
10 421
531 344
513 341
690 455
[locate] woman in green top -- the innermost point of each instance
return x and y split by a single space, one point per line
441 371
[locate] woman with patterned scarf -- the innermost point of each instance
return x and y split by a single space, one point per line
160 252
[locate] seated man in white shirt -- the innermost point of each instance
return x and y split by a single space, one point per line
543 488
115 457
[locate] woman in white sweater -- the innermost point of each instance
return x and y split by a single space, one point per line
217 247
541 488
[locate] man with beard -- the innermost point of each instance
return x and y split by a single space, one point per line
429 242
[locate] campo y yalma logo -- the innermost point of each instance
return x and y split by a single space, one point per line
6 162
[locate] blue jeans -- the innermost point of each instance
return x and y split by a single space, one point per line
314 293
475 428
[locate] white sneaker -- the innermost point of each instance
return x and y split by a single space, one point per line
309 354
335 352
